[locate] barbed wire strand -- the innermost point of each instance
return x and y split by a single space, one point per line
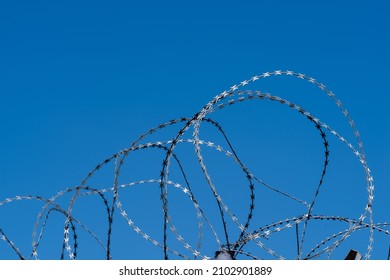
235 247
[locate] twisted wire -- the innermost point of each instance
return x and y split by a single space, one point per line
222 224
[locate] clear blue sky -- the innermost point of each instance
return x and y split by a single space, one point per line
81 81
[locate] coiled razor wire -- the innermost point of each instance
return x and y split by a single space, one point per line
252 233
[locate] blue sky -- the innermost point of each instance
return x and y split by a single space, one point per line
81 81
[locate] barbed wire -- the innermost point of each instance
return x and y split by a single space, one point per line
252 232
